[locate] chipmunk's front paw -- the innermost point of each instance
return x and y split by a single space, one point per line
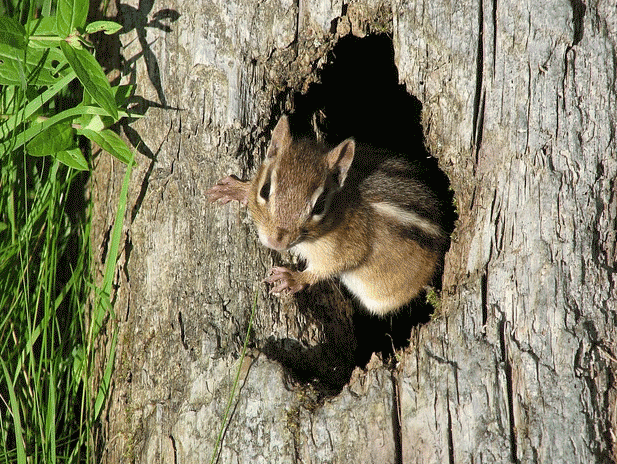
230 188
285 280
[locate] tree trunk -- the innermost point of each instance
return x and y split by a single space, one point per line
517 364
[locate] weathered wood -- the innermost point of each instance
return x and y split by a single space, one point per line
527 352
519 106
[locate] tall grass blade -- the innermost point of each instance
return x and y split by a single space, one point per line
19 439
104 304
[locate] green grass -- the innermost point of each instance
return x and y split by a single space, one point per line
42 330
49 321
51 313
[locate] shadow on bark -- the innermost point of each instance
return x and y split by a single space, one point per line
348 341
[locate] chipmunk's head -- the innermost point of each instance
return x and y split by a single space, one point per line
294 188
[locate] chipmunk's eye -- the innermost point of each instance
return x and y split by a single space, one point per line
320 205
265 190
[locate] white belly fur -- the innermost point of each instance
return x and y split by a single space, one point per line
358 288
365 292
389 280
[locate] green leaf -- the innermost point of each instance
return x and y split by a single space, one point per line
46 7
91 122
92 77
42 26
111 142
43 33
54 139
23 137
38 101
73 158
12 50
71 15
42 67
108 27
12 33
123 93
12 70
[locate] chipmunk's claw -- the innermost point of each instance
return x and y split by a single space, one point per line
285 281
229 188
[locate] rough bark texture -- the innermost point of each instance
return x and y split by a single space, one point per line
519 107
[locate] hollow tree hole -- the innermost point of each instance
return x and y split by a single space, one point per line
359 96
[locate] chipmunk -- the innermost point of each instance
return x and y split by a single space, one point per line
352 211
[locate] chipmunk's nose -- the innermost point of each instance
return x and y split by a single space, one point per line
278 240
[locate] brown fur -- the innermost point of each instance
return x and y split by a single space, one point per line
380 229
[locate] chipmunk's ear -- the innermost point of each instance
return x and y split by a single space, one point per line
281 138
340 159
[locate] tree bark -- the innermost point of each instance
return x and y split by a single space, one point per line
517 364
